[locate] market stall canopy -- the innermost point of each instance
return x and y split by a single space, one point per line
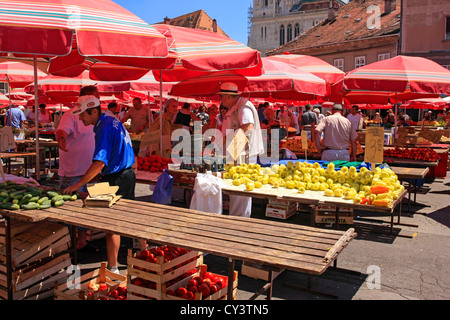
17 74
313 65
4 100
397 74
102 29
199 52
282 80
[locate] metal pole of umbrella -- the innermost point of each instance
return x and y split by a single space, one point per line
160 112
36 117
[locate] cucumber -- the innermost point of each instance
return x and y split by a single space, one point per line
74 197
25 199
16 194
67 197
8 199
57 198
30 206
16 201
43 199
58 203
45 205
4 194
11 206
34 199
52 194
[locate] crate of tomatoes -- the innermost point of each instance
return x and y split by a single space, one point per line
202 285
422 154
150 271
152 163
100 284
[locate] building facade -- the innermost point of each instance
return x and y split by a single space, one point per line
359 33
426 30
276 22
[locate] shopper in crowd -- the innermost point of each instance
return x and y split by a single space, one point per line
261 108
213 123
139 115
112 110
283 117
183 116
112 159
338 136
309 120
202 115
15 117
319 115
241 115
355 118
75 158
44 116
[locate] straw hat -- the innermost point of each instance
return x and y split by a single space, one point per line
229 88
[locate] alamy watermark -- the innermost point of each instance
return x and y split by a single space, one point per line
374 277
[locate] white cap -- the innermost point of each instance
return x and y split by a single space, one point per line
86 102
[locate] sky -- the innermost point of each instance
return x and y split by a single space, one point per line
231 15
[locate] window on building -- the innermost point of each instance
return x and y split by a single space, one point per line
383 56
339 63
282 35
360 61
4 87
266 3
265 32
297 30
447 29
289 33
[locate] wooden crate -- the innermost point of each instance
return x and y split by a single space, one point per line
157 276
88 286
221 294
327 214
17 227
39 258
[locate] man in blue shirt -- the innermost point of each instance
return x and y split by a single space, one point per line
112 159
15 117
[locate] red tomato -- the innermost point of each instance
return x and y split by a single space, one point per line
213 288
193 282
204 289
181 291
190 295
192 288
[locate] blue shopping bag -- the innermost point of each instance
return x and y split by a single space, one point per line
163 189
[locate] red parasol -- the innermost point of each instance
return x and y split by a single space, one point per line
199 52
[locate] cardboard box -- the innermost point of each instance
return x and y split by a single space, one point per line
102 195
280 211
327 214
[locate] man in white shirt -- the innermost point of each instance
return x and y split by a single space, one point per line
139 115
76 148
355 118
243 115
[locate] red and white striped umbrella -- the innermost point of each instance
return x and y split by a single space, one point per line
17 74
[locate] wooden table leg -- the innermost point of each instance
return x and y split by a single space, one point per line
231 264
8 244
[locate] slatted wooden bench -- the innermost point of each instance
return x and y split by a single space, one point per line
276 244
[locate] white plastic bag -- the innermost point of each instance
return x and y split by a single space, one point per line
207 195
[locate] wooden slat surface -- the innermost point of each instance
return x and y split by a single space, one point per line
278 244
410 173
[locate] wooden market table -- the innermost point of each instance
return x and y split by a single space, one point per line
315 198
51 144
275 244
412 174
8 155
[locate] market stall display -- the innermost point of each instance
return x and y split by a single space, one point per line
378 187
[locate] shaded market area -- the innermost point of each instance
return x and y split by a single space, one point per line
186 165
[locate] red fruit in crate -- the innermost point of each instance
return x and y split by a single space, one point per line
221 282
171 292
207 281
192 288
209 275
114 293
137 282
204 289
198 279
103 287
193 282
190 295
181 291
122 291
213 288
144 254
168 256
159 252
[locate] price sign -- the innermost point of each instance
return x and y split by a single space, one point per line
304 140
6 139
374 145
237 144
